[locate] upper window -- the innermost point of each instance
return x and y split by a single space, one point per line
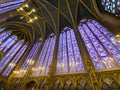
69 58
15 60
45 58
29 61
101 44
10 55
112 6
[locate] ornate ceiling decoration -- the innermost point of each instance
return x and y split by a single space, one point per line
51 16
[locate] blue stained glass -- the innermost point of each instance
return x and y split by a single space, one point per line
11 2
69 58
41 58
106 59
108 34
101 44
5 60
78 59
4 35
8 6
59 58
51 54
107 44
38 62
45 58
64 63
8 43
70 54
29 60
15 61
93 53
112 6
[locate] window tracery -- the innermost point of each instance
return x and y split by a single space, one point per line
15 60
103 51
29 60
8 43
69 58
45 57
10 54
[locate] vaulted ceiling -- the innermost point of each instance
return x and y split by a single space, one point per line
52 17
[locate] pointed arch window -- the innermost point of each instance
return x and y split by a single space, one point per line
30 59
103 52
69 57
15 60
107 34
45 58
112 6
11 53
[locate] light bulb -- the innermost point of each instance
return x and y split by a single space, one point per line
33 10
26 5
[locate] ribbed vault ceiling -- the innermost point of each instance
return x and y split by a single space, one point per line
52 15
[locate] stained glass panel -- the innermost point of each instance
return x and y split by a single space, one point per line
11 5
11 53
45 57
112 6
3 36
8 43
106 42
29 60
101 44
69 58
15 60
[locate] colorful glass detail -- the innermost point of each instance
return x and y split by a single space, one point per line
69 58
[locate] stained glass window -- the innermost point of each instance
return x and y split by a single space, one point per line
103 51
29 60
108 34
112 6
45 58
15 60
3 36
11 5
8 43
10 54
69 58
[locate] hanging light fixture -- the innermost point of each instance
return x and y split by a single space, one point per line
28 15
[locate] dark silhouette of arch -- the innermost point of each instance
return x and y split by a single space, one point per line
79 87
115 86
66 87
87 87
31 86
45 87
59 87
72 87
105 87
